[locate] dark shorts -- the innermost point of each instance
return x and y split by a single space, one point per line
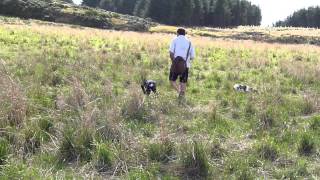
183 77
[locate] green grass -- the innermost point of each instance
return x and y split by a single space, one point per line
71 107
4 150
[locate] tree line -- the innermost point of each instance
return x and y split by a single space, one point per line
215 13
303 18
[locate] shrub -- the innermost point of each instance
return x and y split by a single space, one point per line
4 150
92 13
306 145
161 152
195 160
103 157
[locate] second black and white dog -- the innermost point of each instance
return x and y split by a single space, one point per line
149 86
243 88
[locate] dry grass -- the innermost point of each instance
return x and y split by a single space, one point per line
304 71
13 104
100 72
219 32
149 39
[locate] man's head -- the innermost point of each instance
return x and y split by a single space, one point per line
181 31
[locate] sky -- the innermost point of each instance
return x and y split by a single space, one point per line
77 1
275 10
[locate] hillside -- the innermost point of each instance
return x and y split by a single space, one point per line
71 106
57 11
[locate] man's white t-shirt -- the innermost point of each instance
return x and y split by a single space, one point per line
180 46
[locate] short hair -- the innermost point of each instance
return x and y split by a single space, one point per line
181 31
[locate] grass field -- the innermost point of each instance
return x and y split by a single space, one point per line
71 107
284 35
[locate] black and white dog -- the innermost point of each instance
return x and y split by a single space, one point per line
149 86
243 88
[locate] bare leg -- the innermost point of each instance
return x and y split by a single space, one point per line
183 87
175 86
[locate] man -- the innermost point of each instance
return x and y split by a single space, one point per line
180 49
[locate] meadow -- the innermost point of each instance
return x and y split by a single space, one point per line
71 106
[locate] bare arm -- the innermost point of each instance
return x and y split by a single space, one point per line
192 53
171 56
172 50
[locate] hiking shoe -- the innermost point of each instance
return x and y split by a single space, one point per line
181 94
181 98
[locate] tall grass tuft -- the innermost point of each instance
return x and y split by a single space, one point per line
45 124
315 124
162 151
267 119
4 150
306 145
310 104
109 131
133 109
79 97
139 108
195 160
103 157
216 151
84 144
67 148
268 151
239 166
32 139
76 145
13 104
